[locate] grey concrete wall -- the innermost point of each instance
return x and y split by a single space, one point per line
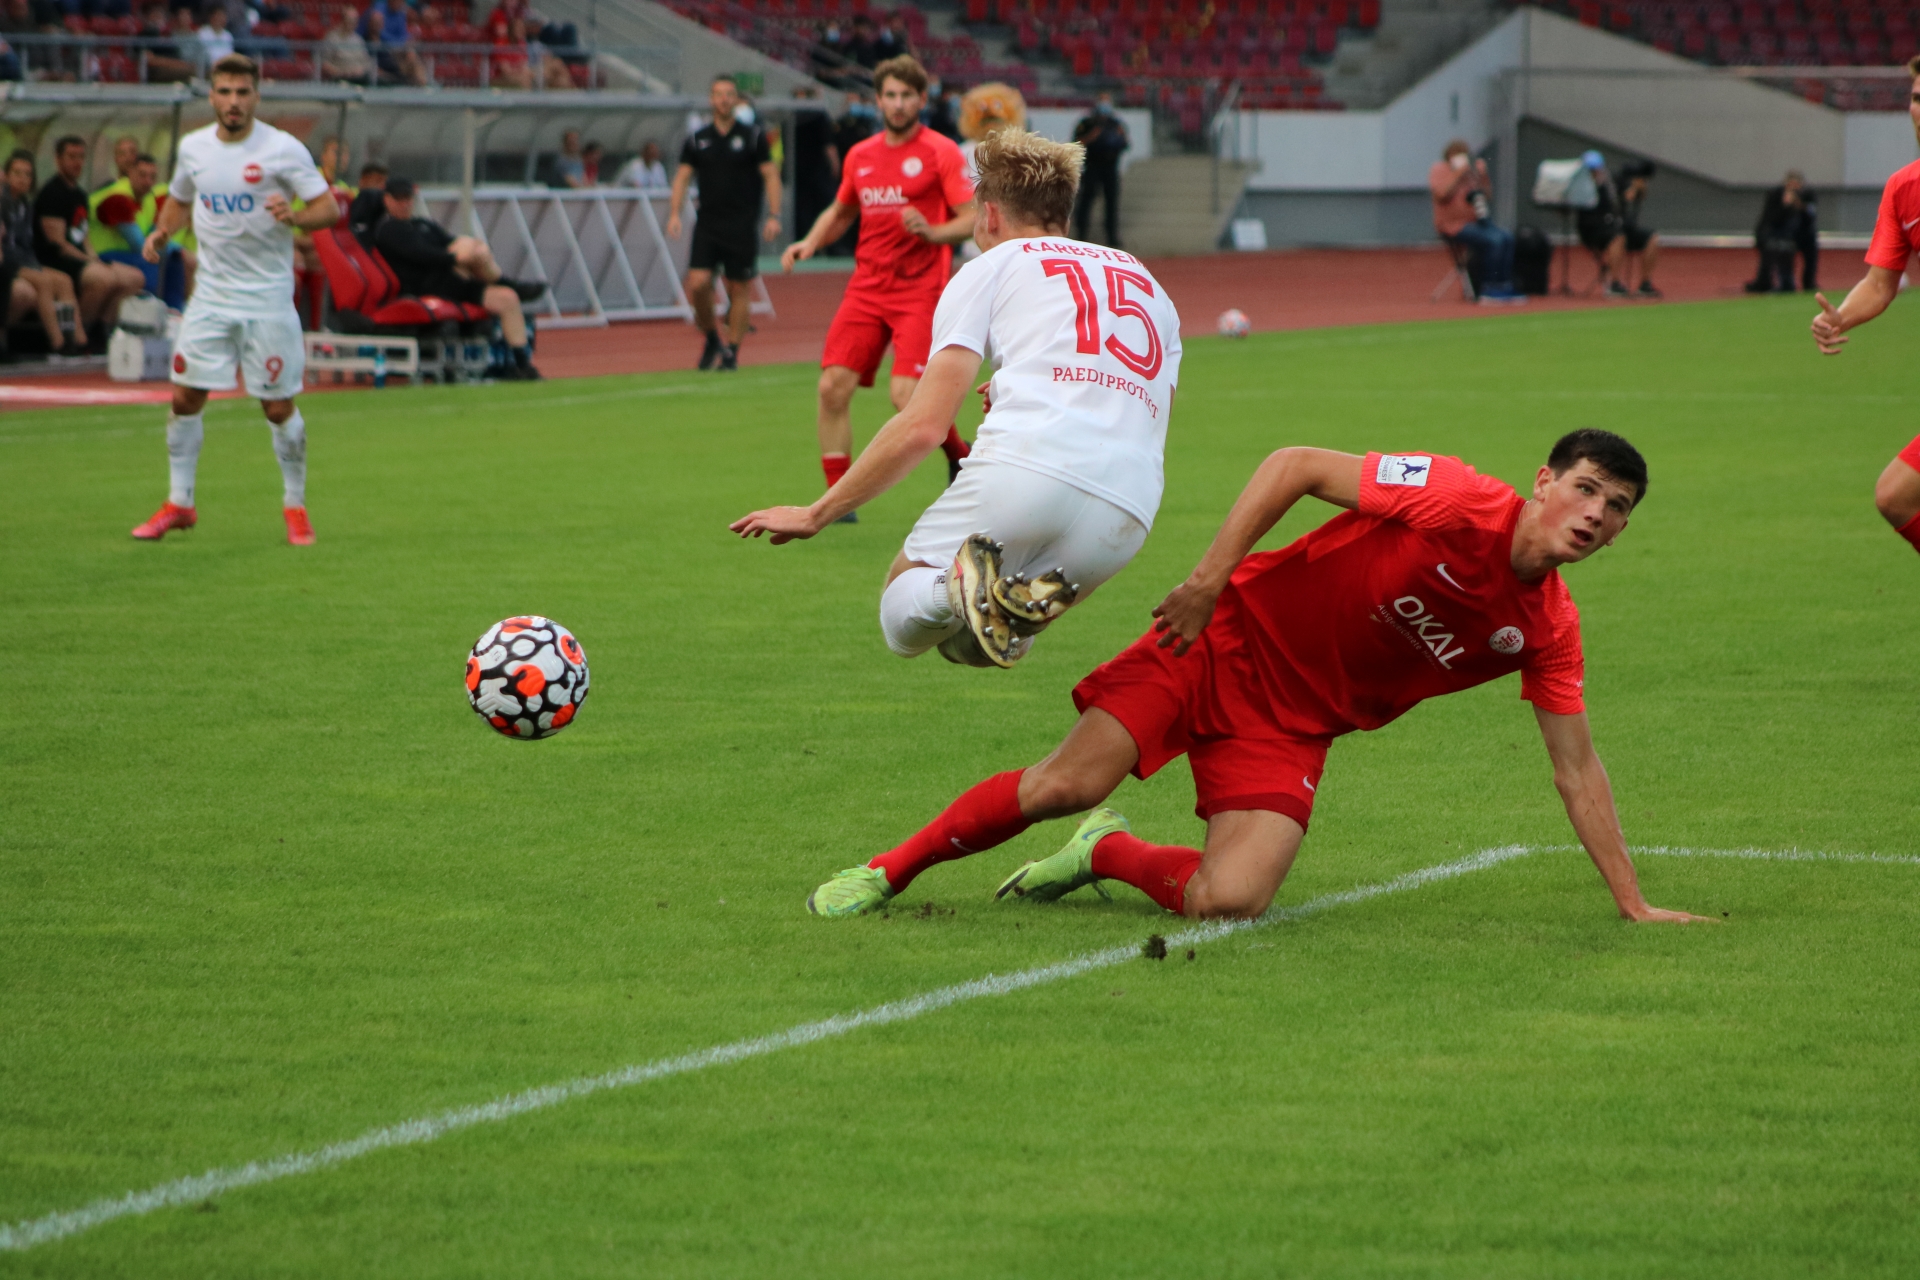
1341 218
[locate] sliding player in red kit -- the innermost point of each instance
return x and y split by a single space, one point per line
1434 580
908 186
1894 243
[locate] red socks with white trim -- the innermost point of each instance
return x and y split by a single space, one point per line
987 815
1160 871
1911 532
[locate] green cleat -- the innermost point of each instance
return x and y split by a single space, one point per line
1053 878
852 892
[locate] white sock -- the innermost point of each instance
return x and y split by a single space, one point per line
290 446
914 613
183 456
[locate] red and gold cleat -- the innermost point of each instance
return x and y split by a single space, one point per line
167 517
299 532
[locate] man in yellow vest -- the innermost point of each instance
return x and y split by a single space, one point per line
119 216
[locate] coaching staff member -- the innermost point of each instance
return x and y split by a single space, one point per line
734 164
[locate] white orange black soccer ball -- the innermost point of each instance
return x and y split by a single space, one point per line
527 677
1234 324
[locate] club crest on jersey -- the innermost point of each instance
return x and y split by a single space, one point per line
1507 640
252 173
179 363
1407 469
911 166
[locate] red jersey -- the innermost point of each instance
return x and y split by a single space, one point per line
926 172
1409 597
1893 233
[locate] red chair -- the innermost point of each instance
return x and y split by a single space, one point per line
367 293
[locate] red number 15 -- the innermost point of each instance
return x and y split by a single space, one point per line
1086 321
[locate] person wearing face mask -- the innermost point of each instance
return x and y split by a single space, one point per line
1463 215
1104 135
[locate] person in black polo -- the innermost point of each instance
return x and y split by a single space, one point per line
733 162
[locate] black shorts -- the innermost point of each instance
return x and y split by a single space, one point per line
454 288
72 266
735 251
1598 231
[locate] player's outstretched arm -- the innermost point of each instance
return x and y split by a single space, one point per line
173 216
909 436
1582 782
1282 480
828 227
1863 302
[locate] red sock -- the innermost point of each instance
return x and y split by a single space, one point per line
1911 532
987 815
953 446
835 465
1160 871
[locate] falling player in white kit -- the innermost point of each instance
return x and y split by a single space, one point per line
236 179
1066 472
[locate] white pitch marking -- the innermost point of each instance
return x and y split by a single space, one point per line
21 1236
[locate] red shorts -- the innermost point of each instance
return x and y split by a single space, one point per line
868 319
1911 454
1195 706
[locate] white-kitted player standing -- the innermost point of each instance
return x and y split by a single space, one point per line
1066 472
237 178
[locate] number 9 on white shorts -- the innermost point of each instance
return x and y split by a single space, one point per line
270 352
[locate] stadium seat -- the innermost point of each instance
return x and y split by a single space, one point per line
366 301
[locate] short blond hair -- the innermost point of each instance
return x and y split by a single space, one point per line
1033 179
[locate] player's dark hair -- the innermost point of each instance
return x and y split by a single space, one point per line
372 169
19 154
1610 454
236 64
71 140
144 158
725 78
400 188
906 69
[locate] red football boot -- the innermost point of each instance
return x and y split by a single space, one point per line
299 532
167 517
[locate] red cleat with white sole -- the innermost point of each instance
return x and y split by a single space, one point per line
299 532
167 517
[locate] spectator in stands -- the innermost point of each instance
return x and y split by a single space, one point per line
569 168
369 205
126 150
384 27
513 57
121 215
431 263
861 121
1104 135
186 41
60 241
216 42
166 62
52 290
816 160
892 40
1611 229
343 53
16 19
646 171
1463 215
943 113
863 43
1788 228
590 157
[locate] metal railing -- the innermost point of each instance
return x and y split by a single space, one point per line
110 59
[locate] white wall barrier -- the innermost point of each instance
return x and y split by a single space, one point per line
603 252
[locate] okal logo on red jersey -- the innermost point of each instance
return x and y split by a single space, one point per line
252 173
871 196
1427 629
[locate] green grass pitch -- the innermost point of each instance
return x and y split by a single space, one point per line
266 882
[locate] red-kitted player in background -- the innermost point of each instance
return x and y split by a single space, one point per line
1897 493
908 186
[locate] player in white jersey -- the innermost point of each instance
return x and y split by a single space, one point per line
1066 471
236 179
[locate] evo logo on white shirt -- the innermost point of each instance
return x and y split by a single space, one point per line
1410 469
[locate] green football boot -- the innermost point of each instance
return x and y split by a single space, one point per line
852 892
1053 878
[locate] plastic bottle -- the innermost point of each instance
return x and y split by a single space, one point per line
379 367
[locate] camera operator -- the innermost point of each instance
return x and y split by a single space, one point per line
1463 215
1612 230
1788 228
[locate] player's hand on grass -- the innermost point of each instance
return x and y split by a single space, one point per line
798 251
915 222
1829 332
784 523
1183 615
278 205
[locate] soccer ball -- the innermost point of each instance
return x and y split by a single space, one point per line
1234 324
527 677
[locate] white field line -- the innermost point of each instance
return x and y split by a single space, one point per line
21 1236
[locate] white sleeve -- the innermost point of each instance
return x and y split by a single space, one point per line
966 308
181 188
301 174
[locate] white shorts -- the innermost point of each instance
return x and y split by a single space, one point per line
1044 524
271 353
